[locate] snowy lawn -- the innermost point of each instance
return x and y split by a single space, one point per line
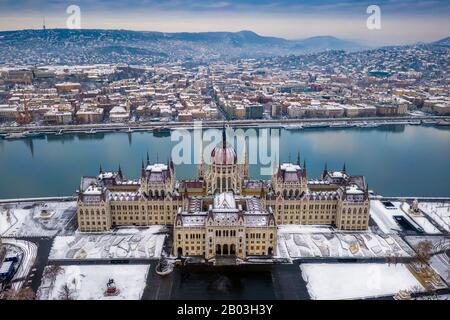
439 212
130 243
88 282
35 219
421 220
439 262
352 280
341 245
384 217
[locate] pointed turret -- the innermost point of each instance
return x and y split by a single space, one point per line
344 169
224 137
325 170
298 158
100 170
262 192
304 168
120 172
142 169
148 159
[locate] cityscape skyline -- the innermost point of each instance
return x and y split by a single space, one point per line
402 22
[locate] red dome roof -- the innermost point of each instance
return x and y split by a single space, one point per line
223 156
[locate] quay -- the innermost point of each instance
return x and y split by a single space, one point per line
152 125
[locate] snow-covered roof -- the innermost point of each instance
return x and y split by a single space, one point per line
124 196
256 220
353 189
106 175
289 167
194 221
157 167
224 201
93 190
338 174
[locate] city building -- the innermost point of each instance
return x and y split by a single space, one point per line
223 211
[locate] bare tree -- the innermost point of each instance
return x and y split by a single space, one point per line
392 259
423 252
8 216
22 294
66 293
51 272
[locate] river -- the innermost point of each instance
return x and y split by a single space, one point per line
397 160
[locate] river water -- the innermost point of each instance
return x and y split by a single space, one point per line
397 160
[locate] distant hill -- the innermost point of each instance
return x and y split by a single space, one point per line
322 43
443 42
109 46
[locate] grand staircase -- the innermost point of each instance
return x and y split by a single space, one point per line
221 260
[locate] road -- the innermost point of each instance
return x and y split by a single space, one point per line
149 125
29 250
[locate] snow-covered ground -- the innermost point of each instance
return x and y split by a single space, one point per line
292 244
384 217
29 253
438 211
35 219
439 262
421 220
88 282
301 228
352 280
130 243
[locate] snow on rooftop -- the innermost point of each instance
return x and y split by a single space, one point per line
289 167
106 175
93 190
338 174
157 167
224 201
353 189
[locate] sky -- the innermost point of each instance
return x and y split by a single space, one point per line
402 21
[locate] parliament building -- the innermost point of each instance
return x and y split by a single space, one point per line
223 212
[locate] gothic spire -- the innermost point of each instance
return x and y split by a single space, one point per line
100 170
120 171
344 169
224 137
298 158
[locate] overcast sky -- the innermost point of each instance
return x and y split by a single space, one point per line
402 21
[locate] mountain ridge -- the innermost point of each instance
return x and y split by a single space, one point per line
78 46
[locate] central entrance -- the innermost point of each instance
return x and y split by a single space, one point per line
225 249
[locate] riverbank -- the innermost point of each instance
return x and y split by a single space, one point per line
272 123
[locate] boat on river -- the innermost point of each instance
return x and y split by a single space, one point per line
15 135
293 127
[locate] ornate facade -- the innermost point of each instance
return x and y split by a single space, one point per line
223 211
